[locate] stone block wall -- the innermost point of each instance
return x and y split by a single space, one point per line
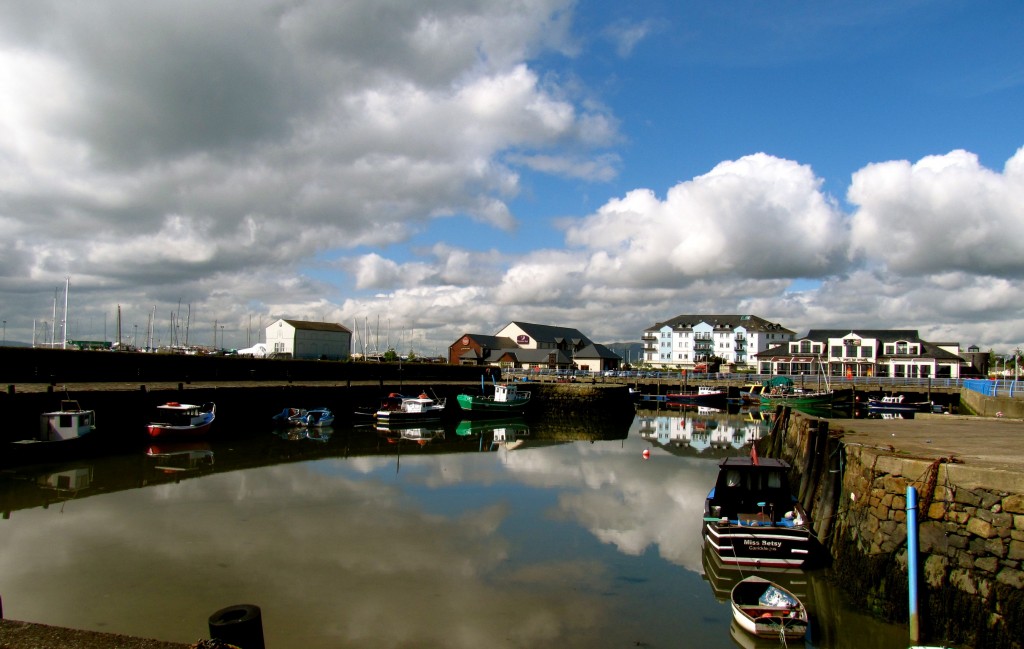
970 542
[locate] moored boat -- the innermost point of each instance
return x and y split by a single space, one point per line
751 517
702 395
173 420
797 397
397 408
63 434
897 404
71 421
507 399
767 610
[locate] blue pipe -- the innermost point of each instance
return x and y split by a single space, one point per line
915 631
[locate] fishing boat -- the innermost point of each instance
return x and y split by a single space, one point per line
751 517
702 395
767 610
63 434
397 408
69 422
507 399
897 404
175 419
779 396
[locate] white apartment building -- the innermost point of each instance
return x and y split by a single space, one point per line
686 340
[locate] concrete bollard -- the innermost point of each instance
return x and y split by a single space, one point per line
240 625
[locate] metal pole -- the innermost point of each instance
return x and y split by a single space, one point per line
915 632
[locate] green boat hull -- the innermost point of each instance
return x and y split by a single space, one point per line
473 403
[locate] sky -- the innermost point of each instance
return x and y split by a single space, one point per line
419 170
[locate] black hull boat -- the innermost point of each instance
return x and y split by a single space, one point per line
752 519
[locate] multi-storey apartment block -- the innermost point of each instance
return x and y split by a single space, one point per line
688 340
898 353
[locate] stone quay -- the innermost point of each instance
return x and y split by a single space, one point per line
969 473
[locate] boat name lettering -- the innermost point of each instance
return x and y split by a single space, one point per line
762 543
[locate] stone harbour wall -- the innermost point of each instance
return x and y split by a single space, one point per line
970 537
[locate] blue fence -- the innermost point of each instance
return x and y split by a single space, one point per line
992 387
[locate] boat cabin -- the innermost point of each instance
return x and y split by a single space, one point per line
69 422
504 393
750 490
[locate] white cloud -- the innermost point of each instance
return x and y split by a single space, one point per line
942 213
759 216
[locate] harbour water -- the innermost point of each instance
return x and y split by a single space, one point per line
507 536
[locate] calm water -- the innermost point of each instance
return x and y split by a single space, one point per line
556 540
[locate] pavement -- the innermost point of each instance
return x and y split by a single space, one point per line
25 635
986 452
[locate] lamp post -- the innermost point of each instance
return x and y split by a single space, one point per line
5 332
222 336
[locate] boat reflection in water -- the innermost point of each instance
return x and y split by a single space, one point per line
422 434
314 433
180 457
703 430
493 434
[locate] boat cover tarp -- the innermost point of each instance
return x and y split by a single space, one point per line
772 596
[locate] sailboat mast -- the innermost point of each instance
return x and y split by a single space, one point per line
64 328
53 322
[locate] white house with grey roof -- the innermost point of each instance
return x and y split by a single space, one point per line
897 353
686 340
528 345
309 340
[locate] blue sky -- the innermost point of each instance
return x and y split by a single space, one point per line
451 166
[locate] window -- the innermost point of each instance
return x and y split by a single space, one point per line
837 350
805 347
867 352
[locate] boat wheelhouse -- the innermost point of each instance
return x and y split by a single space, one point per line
70 422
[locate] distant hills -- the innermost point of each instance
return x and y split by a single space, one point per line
631 353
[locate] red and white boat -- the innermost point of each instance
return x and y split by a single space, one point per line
175 419
703 395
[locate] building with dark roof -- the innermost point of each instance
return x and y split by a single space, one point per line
686 340
898 353
310 340
528 345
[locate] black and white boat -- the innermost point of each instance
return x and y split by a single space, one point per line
751 517
897 403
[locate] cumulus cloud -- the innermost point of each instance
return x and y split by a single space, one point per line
759 216
943 213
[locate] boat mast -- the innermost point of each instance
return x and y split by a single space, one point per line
64 325
53 321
